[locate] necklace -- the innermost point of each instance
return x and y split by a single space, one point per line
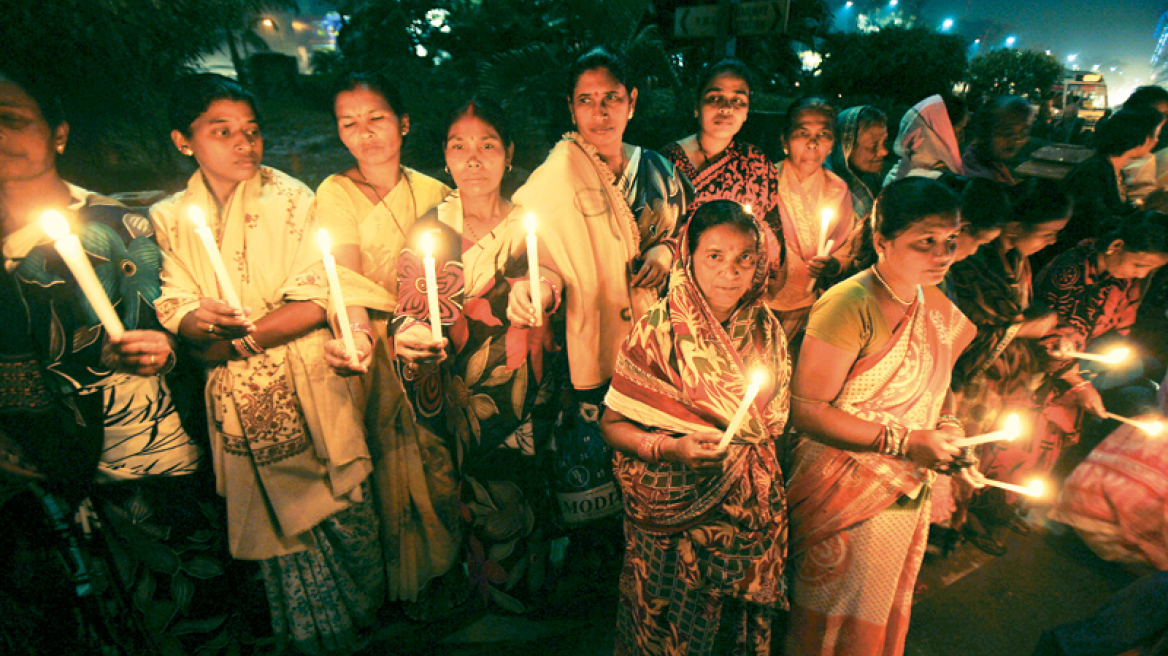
888 288
381 197
706 157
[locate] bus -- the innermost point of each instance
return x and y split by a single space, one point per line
1088 90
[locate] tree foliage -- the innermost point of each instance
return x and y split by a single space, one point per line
1014 72
902 65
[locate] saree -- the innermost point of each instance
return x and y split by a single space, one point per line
743 174
287 443
859 520
1089 304
704 560
413 476
597 230
800 206
491 402
926 143
847 128
118 483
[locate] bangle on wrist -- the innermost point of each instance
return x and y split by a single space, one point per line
649 447
359 328
555 293
247 346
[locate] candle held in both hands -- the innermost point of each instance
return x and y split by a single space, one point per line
757 379
533 268
69 246
330 271
426 243
195 213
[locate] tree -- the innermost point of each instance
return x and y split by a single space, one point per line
901 65
1014 72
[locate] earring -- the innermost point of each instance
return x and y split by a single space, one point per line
630 116
60 149
185 151
508 168
404 131
447 169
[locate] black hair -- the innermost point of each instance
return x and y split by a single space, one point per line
1147 96
1144 232
727 66
716 213
808 104
485 110
985 205
1038 200
909 200
870 116
375 82
1126 129
193 94
956 108
999 110
43 92
598 57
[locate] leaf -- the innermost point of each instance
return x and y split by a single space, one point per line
182 590
498 552
477 363
483 406
205 625
519 391
144 591
506 601
202 567
159 614
517 573
499 376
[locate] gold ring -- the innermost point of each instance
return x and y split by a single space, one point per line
211 327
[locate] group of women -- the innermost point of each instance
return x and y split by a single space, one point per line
397 451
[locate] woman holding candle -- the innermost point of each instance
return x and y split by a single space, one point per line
816 208
87 414
718 165
1095 288
477 387
870 404
609 213
705 529
859 153
368 210
290 453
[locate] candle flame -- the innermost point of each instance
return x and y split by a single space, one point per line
54 225
758 377
1036 488
324 240
1013 427
747 208
531 223
196 215
426 243
826 216
1153 428
1117 355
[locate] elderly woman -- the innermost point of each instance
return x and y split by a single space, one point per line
481 400
705 526
859 153
87 413
290 452
808 192
928 141
1000 130
870 403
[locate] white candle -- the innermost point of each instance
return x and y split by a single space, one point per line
1009 432
69 246
338 298
533 268
427 245
1114 356
825 218
209 245
825 250
1034 489
1153 428
757 378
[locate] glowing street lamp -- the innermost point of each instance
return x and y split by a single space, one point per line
947 25
893 3
1010 41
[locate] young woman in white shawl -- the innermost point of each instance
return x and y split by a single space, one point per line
288 446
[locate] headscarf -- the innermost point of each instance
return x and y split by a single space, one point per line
847 127
926 144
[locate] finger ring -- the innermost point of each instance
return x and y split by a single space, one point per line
151 360
211 327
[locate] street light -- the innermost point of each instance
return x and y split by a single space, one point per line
848 4
1071 58
893 3
1010 40
947 25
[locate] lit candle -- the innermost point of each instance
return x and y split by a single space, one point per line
1009 432
427 245
748 209
69 246
1114 356
825 244
204 233
757 378
1035 489
533 268
1153 428
330 271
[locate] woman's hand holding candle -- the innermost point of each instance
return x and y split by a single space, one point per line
520 308
415 347
695 450
142 352
336 355
214 320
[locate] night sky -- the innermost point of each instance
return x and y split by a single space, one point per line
1105 32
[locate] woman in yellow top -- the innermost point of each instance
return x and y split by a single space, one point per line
368 209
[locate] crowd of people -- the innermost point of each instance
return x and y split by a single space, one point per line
742 380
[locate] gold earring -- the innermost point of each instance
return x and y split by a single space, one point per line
630 116
60 149
185 151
